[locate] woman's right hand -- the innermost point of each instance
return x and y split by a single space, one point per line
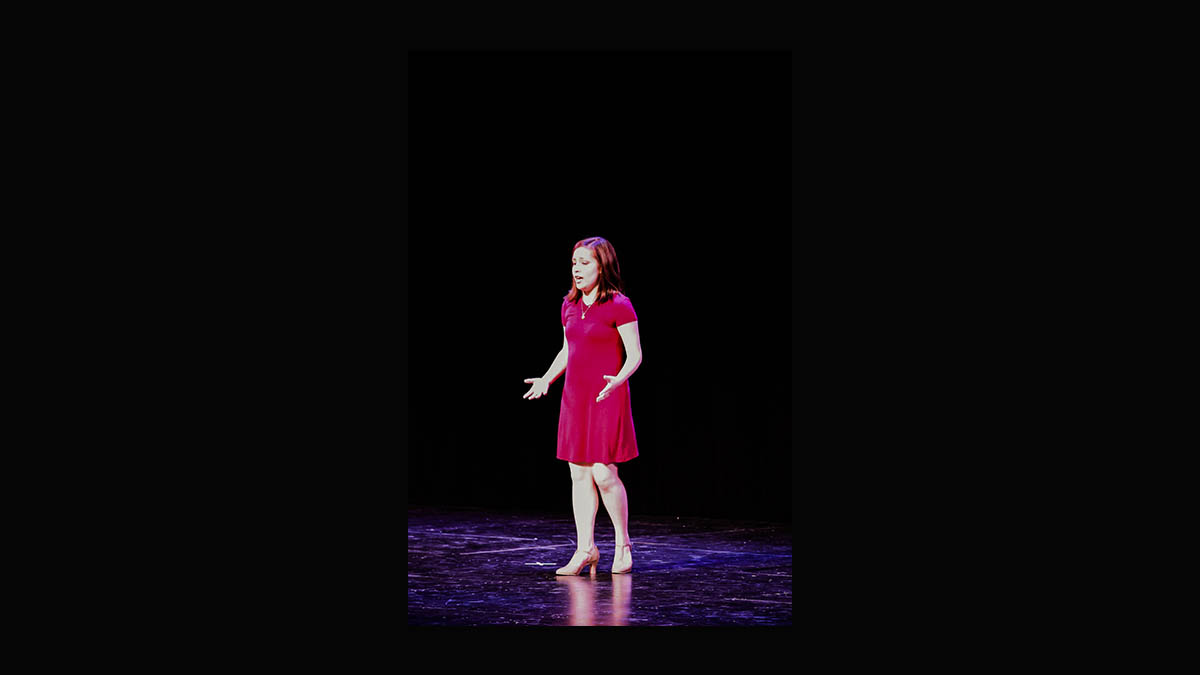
538 389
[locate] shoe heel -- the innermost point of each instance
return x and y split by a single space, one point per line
583 567
627 569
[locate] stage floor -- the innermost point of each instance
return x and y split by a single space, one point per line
470 567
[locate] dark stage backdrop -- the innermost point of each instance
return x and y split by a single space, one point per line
682 161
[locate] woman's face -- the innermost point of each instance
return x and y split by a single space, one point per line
585 269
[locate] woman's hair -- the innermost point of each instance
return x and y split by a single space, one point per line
609 281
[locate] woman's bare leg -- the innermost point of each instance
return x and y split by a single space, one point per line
585 504
612 491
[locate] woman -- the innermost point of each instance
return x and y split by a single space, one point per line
601 349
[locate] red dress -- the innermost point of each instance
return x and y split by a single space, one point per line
591 432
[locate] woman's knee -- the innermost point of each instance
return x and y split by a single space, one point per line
605 475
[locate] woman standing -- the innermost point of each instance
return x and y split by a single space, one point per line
601 349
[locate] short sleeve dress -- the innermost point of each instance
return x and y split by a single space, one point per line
591 432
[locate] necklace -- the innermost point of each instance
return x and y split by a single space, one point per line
586 306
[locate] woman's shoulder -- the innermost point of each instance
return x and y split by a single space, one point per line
620 297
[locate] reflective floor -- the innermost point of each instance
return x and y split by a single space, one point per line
469 567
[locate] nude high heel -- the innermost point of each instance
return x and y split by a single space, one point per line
628 567
592 558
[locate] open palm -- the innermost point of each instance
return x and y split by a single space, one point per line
539 388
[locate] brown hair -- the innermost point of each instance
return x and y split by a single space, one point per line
609 281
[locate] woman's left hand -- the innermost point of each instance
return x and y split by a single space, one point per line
612 384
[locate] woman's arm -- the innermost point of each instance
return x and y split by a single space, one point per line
541 384
557 368
560 363
633 358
